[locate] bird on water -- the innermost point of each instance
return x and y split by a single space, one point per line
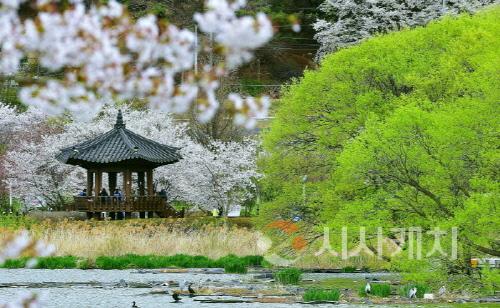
191 290
412 293
368 288
134 305
176 296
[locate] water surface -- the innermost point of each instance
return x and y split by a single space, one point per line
118 288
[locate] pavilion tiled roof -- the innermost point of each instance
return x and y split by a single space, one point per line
118 146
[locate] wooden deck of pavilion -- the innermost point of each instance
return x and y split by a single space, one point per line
139 204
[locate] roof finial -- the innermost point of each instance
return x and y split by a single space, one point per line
119 120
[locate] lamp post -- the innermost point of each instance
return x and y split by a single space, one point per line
304 180
258 199
10 196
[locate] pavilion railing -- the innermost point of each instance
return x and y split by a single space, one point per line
120 204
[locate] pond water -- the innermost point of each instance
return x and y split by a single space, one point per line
119 288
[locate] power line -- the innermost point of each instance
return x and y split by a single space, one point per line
293 38
252 85
289 26
286 48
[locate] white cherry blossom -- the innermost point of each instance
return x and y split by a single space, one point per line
103 54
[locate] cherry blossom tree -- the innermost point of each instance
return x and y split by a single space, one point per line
349 21
12 126
220 174
11 121
104 54
221 177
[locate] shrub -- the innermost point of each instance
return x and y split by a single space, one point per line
421 290
377 289
56 262
253 260
110 263
490 280
321 295
236 267
14 263
43 262
288 276
221 262
246 260
16 222
6 208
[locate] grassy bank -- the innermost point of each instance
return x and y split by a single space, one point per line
231 263
214 238
194 236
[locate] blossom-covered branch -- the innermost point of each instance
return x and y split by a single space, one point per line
15 245
105 55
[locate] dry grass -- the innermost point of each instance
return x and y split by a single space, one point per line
91 239
206 236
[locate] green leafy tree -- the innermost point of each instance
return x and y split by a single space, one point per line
399 130
426 166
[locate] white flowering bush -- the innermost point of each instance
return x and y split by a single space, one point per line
220 174
105 55
347 22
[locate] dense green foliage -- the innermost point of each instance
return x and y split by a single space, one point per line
321 295
288 276
16 222
399 131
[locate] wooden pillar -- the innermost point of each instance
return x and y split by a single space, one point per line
90 182
141 184
127 183
112 182
98 182
149 182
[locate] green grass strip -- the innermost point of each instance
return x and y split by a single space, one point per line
321 295
231 263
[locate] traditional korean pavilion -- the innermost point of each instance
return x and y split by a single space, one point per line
120 152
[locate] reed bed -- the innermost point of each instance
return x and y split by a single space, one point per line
91 239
